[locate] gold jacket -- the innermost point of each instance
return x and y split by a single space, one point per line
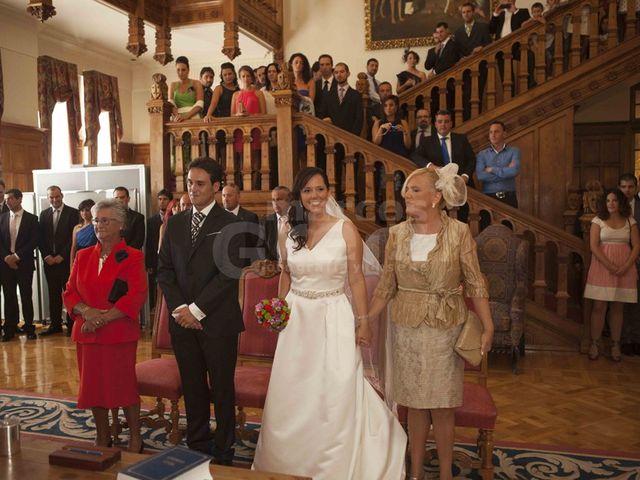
431 291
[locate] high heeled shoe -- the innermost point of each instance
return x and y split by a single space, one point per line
594 351
616 354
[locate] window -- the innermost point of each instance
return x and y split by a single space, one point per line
60 144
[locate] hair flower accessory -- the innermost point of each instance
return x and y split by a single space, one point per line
273 314
452 185
121 255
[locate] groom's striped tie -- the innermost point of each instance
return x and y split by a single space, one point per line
196 222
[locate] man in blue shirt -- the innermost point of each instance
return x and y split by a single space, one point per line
498 166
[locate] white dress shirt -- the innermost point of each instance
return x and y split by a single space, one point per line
235 211
15 219
373 95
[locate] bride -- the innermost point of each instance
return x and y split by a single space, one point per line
321 417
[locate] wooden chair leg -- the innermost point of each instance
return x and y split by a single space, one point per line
175 435
485 447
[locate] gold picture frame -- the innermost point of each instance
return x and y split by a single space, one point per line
411 23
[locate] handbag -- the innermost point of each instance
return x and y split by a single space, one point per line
118 290
469 342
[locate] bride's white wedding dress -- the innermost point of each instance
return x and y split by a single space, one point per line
322 418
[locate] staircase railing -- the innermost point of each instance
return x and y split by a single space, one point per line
512 65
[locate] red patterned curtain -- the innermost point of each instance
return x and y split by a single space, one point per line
101 95
58 82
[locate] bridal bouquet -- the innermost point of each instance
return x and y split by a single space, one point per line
273 314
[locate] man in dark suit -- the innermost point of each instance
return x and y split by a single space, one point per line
442 57
18 241
206 79
56 236
630 341
326 83
343 106
445 54
446 147
4 208
250 221
198 271
133 232
507 20
471 37
153 237
419 135
276 224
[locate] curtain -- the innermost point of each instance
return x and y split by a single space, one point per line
101 95
1 108
58 82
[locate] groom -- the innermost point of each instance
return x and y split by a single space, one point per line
198 274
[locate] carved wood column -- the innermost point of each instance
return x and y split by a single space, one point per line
458 100
179 155
558 54
491 84
562 293
362 86
442 93
231 45
350 191
540 63
136 44
507 79
246 161
330 152
475 91
540 283
163 40
285 108
230 163
411 111
43 10
311 142
612 32
370 199
390 198
264 161
523 69
574 54
594 37
159 144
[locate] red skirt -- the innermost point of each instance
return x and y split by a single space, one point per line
107 375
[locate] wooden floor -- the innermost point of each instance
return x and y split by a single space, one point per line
558 399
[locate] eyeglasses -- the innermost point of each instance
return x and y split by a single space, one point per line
103 221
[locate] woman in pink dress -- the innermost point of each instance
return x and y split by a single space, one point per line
248 101
615 245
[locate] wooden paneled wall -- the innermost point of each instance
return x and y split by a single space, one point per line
602 151
22 152
547 166
133 153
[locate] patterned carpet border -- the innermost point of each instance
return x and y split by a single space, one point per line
59 419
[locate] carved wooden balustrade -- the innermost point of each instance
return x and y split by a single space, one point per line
511 66
557 257
232 142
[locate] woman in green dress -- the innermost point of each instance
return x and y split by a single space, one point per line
186 95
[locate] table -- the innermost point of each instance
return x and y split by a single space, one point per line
32 463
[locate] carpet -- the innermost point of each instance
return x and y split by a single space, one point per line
59 419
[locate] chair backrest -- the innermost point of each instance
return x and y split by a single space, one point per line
257 282
161 339
500 254
480 372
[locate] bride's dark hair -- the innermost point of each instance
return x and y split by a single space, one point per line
298 215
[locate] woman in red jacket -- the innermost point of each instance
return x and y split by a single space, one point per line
106 290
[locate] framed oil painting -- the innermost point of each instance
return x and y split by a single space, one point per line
409 23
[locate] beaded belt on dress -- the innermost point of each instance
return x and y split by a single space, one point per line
314 294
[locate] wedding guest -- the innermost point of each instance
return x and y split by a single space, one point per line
134 229
104 295
305 84
611 282
411 76
372 70
185 202
260 75
276 224
172 209
84 234
248 101
326 83
271 83
206 79
428 310
392 132
221 98
186 95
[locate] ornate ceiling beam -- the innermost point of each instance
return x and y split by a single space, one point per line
193 12
163 41
231 44
260 19
42 10
136 44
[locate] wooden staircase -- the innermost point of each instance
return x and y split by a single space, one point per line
364 176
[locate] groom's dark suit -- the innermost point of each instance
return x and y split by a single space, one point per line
205 274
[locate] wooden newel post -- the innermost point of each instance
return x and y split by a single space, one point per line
159 150
362 86
285 101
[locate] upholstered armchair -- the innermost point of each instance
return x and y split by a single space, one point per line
504 259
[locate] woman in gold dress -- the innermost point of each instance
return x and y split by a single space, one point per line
430 265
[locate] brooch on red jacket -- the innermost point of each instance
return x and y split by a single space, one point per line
121 255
